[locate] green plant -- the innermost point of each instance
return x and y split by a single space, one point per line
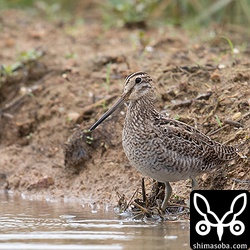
8 70
229 43
69 119
177 117
104 105
29 136
30 55
4 4
226 11
88 137
218 120
71 56
24 62
189 13
138 13
129 12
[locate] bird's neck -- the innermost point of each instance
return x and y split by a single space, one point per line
143 108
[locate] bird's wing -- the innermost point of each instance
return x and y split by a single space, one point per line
187 140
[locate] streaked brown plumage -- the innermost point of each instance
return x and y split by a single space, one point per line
164 149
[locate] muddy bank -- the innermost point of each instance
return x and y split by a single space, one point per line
71 74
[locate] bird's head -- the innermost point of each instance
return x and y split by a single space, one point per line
136 86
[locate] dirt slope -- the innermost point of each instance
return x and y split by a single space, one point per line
199 81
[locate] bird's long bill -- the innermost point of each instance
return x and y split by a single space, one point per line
109 112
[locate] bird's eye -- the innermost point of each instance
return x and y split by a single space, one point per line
137 80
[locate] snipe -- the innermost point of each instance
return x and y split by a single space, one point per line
164 149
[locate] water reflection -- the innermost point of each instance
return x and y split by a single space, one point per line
26 224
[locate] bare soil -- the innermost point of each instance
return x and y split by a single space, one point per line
48 103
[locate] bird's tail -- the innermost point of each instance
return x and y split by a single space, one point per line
227 153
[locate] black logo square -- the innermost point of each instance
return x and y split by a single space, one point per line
219 219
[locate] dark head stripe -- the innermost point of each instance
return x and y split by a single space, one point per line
134 74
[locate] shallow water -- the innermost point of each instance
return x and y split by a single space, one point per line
31 224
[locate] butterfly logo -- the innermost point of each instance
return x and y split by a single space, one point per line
203 227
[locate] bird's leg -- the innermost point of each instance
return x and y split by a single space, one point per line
194 183
168 192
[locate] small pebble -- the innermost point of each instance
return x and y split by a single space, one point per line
236 116
170 237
